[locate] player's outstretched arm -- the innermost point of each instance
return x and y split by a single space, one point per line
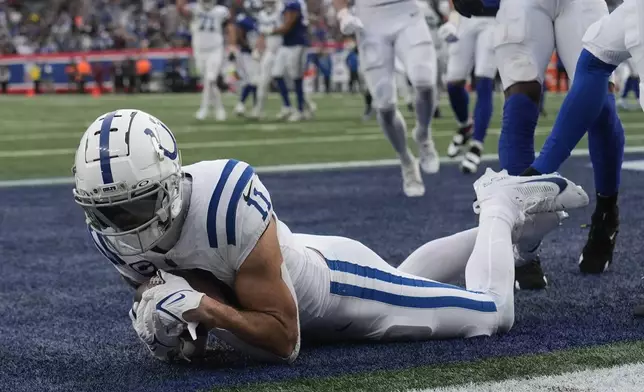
268 315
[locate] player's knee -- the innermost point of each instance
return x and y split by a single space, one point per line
384 96
531 89
422 75
387 114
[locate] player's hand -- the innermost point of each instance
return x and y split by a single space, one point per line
469 8
349 23
447 32
158 317
266 30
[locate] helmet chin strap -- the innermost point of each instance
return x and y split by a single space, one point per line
172 236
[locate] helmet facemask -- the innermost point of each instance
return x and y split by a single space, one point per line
134 220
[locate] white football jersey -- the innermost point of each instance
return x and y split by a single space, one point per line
206 26
272 20
229 210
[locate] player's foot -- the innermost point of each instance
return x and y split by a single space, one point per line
597 254
529 275
310 107
459 140
240 109
220 114
284 113
548 192
412 181
427 154
256 114
201 114
296 116
472 158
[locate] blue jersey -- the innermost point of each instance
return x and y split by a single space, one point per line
299 34
248 27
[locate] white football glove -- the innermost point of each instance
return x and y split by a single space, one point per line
158 318
447 32
349 23
266 30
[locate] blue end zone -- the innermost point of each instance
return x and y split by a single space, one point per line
65 326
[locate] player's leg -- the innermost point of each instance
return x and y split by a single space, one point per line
604 44
484 71
377 62
459 66
243 62
415 48
524 41
405 91
214 63
264 80
296 66
279 71
201 65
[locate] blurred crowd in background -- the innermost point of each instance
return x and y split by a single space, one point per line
51 26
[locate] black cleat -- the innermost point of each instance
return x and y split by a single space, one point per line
597 254
530 276
459 141
638 311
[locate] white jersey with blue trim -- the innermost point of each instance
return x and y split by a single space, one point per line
343 289
206 26
271 19
385 15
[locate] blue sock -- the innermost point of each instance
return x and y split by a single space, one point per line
244 93
281 86
483 108
636 87
606 146
299 93
628 87
459 98
253 91
586 96
516 143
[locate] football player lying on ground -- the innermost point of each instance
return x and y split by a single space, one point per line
147 213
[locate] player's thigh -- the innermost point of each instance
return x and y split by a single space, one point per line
296 64
214 62
523 41
571 24
376 55
484 53
384 303
461 57
611 37
279 63
415 48
200 62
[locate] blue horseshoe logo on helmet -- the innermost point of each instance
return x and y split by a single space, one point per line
170 154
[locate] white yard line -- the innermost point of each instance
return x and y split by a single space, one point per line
625 378
302 167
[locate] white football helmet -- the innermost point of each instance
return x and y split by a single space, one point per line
129 180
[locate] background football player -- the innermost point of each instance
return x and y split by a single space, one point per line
295 34
471 45
385 31
247 64
146 213
207 24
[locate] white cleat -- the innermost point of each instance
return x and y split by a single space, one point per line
240 109
284 113
201 114
412 181
544 193
220 115
311 107
296 116
256 114
428 156
472 158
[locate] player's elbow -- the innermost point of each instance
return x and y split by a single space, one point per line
289 346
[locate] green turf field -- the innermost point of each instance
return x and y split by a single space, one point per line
38 136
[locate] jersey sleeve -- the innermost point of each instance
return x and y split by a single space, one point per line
293 5
243 212
134 270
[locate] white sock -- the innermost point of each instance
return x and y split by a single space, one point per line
205 96
393 124
490 268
